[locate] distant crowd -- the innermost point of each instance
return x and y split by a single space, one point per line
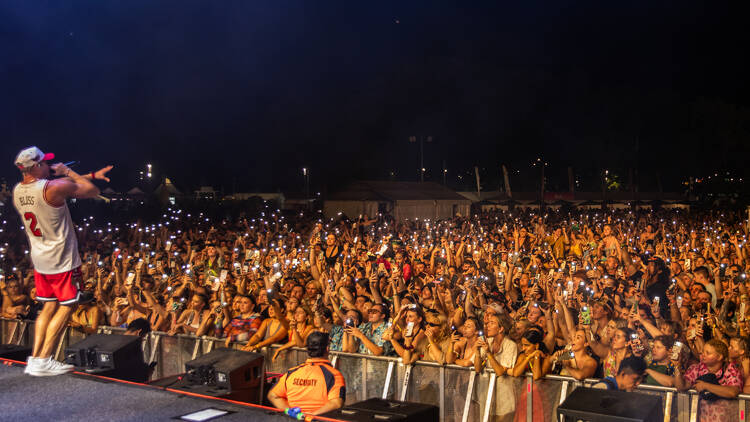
630 297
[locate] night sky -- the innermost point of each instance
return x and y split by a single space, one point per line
246 93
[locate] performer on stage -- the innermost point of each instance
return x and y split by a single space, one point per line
54 247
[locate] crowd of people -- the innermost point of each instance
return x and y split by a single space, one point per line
655 297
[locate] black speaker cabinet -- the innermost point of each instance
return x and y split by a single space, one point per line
14 352
590 404
226 373
110 355
386 410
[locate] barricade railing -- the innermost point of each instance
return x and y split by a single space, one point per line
461 393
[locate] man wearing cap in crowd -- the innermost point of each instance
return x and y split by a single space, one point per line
40 201
315 387
601 314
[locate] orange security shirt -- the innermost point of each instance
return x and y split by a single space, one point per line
311 385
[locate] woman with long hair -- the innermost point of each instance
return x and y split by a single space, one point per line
618 349
531 359
191 318
406 333
532 355
271 331
575 359
437 337
463 350
299 328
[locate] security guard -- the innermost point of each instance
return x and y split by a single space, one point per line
315 387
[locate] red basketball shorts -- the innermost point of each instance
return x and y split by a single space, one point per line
62 287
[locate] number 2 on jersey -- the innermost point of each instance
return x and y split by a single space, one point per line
32 226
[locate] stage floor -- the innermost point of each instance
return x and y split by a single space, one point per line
77 397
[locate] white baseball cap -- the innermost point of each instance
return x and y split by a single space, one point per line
30 157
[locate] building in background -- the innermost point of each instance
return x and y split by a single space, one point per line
275 198
206 193
167 193
404 200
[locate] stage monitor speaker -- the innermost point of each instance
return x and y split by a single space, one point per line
386 410
226 373
110 355
14 352
591 404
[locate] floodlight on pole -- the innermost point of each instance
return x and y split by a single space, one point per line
422 140
306 176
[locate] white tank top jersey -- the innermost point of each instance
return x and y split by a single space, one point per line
54 246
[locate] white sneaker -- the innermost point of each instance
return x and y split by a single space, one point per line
50 367
31 365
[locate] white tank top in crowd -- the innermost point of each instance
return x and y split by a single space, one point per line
54 246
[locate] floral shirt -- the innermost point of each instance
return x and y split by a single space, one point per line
375 336
719 410
730 375
609 365
336 336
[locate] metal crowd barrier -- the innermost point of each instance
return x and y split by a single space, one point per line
461 393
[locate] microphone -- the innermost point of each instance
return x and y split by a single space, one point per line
100 197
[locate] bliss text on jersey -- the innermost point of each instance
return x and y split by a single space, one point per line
26 200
